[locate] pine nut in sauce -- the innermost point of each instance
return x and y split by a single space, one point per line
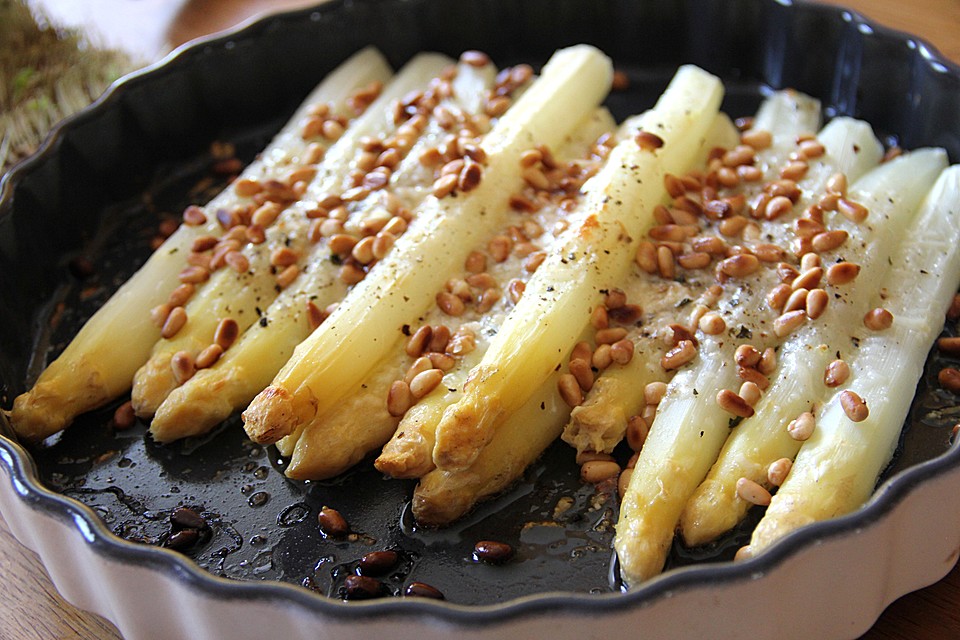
776 207
734 404
759 139
237 261
622 351
646 257
179 296
842 273
124 417
602 357
753 376
949 346
878 319
837 183
610 335
492 552
160 313
665 264
809 261
794 170
854 406
778 296
801 428
695 260
752 492
778 470
599 318
949 379
596 471
332 524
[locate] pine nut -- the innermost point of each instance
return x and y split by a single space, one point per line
786 323
637 431
809 279
752 492
829 240
778 470
733 403
878 319
842 273
740 265
684 352
836 373
174 322
425 382
399 398
712 323
580 369
854 211
854 406
570 390
596 471
816 303
801 428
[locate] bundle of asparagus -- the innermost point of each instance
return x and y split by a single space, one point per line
456 265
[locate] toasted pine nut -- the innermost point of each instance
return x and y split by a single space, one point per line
596 471
816 303
680 355
570 390
854 406
750 392
425 382
829 240
399 398
183 366
768 361
746 356
733 403
778 470
580 369
209 356
878 319
852 210
801 428
740 265
786 323
836 373
809 279
174 322
637 430
752 492
842 273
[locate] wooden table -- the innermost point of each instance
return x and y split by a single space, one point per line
31 609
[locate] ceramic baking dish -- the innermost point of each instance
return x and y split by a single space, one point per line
94 504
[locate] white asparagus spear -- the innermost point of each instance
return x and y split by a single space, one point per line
247 367
239 292
358 334
443 496
593 256
100 361
837 468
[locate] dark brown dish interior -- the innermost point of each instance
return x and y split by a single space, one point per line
77 220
